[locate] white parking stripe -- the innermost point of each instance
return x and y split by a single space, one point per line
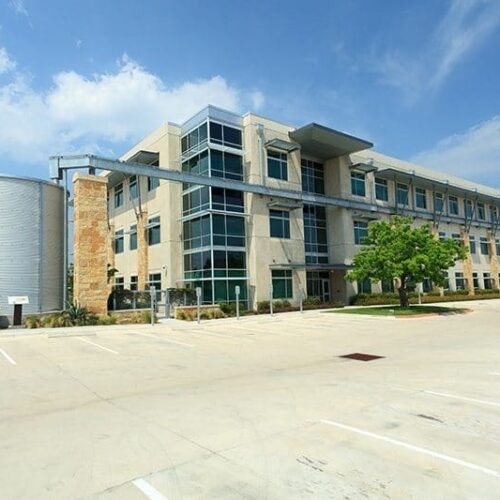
97 345
463 398
7 357
148 490
495 373
163 339
418 449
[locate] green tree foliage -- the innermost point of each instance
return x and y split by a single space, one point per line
396 250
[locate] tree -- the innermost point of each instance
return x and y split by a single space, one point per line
394 250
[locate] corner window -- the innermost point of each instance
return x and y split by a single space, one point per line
402 194
453 205
381 190
118 195
279 224
358 184
420 198
118 241
360 232
224 135
133 237
282 284
154 233
133 188
277 165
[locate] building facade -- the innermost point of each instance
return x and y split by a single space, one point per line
170 234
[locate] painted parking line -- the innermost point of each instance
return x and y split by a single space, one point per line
162 339
228 336
98 345
463 398
412 447
495 373
148 490
7 357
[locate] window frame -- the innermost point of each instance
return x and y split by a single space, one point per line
285 276
420 196
118 195
281 160
281 217
357 229
358 184
383 185
154 228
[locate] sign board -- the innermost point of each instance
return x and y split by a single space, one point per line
198 291
237 289
18 299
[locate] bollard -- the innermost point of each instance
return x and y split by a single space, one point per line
301 301
271 300
152 291
237 293
198 302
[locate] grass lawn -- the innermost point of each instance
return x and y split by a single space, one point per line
401 311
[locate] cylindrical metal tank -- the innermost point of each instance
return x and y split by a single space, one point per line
31 243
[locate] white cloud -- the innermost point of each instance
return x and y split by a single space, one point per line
474 154
6 63
465 26
79 113
19 7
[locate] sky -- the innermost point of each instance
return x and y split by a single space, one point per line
421 80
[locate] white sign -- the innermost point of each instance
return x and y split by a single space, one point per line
19 299
237 289
198 291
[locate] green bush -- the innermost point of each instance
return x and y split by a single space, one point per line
263 306
312 301
229 308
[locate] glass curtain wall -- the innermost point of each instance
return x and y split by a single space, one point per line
214 224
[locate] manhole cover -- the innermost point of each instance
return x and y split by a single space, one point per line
361 357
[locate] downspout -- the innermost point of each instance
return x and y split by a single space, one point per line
260 143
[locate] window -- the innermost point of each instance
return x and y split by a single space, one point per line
442 236
457 238
493 214
198 265
381 189
119 283
277 165
475 280
133 237
279 222
155 280
226 165
154 233
315 235
196 233
282 284
459 281
133 283
438 202
427 285
481 211
228 230
483 244
153 183
313 176
453 205
360 232
468 209
472 244
119 195
195 138
224 135
227 200
420 198
488 282
402 194
497 244
358 184
387 286
365 286
229 263
133 188
118 242
196 200
197 164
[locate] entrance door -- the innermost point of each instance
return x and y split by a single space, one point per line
325 290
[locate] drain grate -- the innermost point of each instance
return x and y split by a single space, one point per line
361 357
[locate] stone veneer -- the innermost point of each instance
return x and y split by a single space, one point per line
90 288
494 267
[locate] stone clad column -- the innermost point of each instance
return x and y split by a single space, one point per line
467 262
142 251
494 266
91 242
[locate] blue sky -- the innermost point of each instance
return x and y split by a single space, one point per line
419 79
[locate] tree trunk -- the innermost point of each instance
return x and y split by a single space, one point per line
403 296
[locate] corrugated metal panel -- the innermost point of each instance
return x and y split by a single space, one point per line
28 264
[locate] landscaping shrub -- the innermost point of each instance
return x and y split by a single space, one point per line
263 306
312 301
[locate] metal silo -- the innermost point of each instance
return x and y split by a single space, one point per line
31 243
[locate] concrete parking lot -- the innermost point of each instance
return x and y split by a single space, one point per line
260 408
